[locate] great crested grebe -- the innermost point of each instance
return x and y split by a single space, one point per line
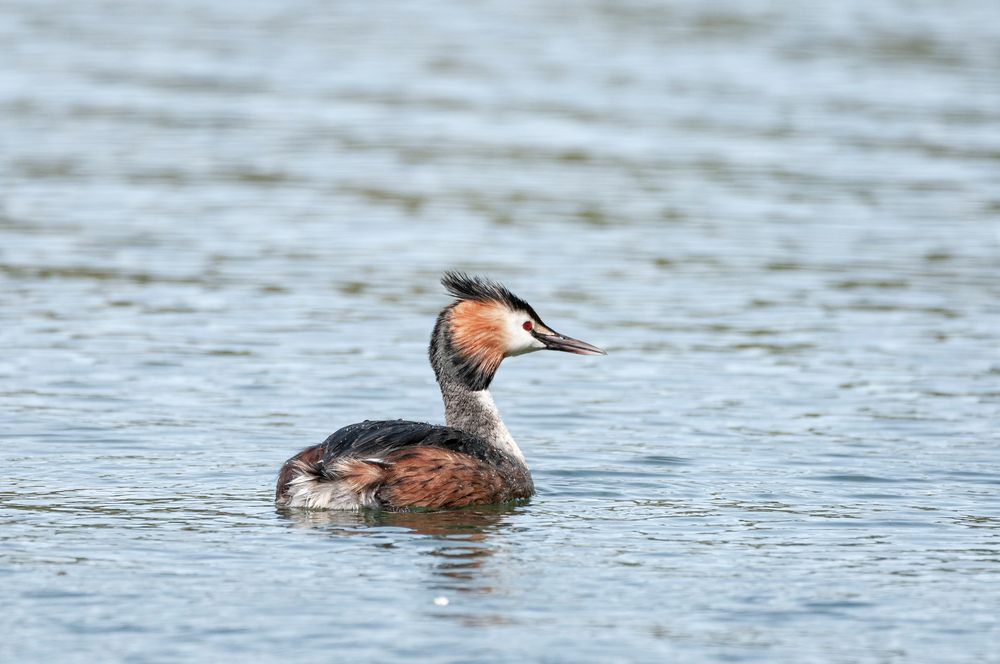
396 464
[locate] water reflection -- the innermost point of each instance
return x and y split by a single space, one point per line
461 541
474 521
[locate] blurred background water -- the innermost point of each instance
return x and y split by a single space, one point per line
221 230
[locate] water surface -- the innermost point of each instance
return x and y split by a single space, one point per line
221 229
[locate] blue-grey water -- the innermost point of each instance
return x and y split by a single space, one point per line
221 230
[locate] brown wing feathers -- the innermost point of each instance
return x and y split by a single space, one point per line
410 477
433 477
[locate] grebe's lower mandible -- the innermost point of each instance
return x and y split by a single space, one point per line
473 460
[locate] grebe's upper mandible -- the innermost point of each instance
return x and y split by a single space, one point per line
473 460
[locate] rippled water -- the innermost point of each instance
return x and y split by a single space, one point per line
221 229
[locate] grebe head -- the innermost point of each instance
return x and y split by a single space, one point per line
487 323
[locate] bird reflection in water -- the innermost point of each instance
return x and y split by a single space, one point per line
460 538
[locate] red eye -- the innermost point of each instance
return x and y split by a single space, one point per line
527 325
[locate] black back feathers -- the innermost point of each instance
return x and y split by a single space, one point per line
378 438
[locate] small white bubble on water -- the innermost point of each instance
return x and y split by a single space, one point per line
441 601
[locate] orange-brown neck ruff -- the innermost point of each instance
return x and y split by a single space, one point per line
477 331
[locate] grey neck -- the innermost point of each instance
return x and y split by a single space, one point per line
474 411
467 403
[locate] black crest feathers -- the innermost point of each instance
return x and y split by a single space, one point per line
463 287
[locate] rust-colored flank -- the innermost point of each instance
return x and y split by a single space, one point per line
433 477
